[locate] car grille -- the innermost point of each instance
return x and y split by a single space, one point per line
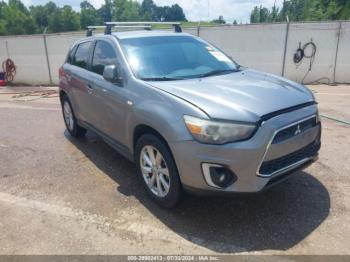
269 167
294 130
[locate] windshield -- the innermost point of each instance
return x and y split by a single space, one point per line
175 57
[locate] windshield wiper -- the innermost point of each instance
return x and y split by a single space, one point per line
164 78
218 72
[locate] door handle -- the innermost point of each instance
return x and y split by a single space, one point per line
69 77
89 89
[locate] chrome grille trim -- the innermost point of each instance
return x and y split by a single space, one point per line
287 168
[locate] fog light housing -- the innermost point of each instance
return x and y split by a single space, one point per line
218 176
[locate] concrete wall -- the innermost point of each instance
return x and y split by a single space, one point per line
324 36
57 46
343 60
256 46
28 53
259 46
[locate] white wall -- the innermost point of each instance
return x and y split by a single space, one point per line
343 65
57 47
259 46
324 35
256 46
28 54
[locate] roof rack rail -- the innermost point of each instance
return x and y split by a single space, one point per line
143 25
109 25
90 29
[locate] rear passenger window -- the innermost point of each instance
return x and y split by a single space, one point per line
81 57
104 55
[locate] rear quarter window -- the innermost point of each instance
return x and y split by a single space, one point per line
82 54
70 55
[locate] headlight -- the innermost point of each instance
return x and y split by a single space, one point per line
217 132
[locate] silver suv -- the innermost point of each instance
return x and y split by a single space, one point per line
189 116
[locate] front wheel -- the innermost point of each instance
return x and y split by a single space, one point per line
158 170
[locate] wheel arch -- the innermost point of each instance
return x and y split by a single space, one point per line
143 129
62 93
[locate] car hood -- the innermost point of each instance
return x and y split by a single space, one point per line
242 96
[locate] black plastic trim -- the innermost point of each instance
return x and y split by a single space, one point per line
286 110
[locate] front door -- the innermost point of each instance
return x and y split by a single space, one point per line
110 98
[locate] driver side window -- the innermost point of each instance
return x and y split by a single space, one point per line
104 55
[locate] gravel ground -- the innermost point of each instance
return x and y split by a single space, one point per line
60 195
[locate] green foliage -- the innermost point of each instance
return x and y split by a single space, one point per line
64 19
16 18
150 11
89 15
220 20
303 10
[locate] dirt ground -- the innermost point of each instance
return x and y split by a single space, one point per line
60 195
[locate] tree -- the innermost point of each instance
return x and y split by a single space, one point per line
303 10
132 11
18 5
88 15
175 13
64 19
148 11
255 15
125 10
220 20
16 18
41 14
105 12
264 15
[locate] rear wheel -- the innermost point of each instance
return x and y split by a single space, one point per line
158 170
70 120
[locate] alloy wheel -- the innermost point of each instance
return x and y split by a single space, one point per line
155 171
68 115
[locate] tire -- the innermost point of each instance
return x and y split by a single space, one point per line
168 198
70 121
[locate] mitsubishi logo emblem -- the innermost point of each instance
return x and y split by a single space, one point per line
298 131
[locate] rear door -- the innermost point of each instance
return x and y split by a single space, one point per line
81 88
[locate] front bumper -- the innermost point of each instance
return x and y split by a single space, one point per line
254 161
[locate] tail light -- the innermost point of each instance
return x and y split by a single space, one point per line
61 72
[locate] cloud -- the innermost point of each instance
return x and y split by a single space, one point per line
195 10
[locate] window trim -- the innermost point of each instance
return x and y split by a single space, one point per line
71 53
93 53
88 64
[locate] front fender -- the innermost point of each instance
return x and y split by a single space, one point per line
164 114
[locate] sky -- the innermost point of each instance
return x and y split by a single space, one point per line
195 10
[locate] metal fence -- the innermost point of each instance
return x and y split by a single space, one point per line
267 47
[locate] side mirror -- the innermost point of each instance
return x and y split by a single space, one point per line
112 74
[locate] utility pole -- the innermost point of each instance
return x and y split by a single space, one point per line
47 55
285 47
208 10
